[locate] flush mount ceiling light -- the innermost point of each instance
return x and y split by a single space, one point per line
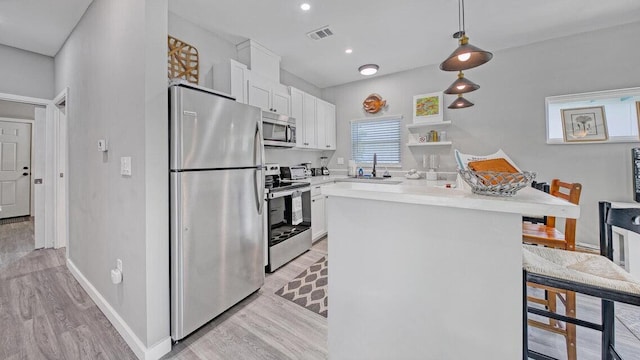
368 69
305 7
462 85
466 56
348 51
460 103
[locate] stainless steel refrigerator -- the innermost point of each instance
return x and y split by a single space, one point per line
217 196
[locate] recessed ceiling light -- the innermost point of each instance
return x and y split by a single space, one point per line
348 51
368 69
305 7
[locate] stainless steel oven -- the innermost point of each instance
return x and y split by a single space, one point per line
278 130
288 230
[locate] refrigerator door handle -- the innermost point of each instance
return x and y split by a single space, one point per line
259 174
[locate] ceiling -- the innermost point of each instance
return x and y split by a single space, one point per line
39 26
398 35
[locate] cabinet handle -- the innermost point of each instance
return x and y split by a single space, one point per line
328 145
306 143
313 201
317 187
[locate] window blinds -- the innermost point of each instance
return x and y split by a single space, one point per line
379 136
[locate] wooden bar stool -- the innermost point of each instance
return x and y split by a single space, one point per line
547 235
590 274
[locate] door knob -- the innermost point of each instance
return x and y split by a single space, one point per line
25 168
25 174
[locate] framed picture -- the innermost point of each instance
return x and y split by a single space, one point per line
427 108
584 124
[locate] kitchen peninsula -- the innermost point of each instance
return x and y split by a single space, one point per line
427 273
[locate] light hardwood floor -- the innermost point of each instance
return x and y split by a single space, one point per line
45 314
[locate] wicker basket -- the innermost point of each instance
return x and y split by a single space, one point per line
496 183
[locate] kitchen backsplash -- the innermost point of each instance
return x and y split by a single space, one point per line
288 157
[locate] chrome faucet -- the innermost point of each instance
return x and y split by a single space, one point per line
375 161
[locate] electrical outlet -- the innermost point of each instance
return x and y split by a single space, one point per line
125 166
340 161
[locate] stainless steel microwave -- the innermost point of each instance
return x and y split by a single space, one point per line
278 130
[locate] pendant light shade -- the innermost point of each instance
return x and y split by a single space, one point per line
466 56
460 103
462 85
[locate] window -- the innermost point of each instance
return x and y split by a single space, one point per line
379 136
620 110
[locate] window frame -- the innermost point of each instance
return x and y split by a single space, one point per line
565 101
398 118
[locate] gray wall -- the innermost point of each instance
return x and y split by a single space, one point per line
114 64
288 78
212 49
510 112
26 73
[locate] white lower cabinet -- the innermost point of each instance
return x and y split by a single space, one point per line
318 214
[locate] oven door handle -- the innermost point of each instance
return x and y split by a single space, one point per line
288 133
279 194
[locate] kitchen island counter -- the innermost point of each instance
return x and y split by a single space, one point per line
423 272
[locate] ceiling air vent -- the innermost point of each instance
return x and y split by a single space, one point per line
321 33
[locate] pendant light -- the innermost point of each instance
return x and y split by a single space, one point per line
462 85
460 103
466 56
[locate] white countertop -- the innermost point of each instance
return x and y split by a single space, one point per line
527 201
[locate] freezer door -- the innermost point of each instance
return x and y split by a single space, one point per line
217 244
212 132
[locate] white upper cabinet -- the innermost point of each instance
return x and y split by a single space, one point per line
232 79
303 109
326 125
315 121
260 60
269 95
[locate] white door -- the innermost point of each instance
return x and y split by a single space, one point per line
61 179
15 169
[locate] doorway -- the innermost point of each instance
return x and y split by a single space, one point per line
46 161
15 169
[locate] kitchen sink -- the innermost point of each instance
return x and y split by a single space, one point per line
376 180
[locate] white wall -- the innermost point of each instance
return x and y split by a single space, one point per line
26 73
114 64
509 111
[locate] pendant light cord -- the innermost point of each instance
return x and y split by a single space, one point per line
461 16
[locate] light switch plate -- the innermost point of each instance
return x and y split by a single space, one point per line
102 145
125 166
340 161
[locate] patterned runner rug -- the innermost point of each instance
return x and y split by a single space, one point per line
309 289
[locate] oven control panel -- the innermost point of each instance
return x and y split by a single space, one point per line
272 169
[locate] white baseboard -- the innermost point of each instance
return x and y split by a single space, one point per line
154 352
